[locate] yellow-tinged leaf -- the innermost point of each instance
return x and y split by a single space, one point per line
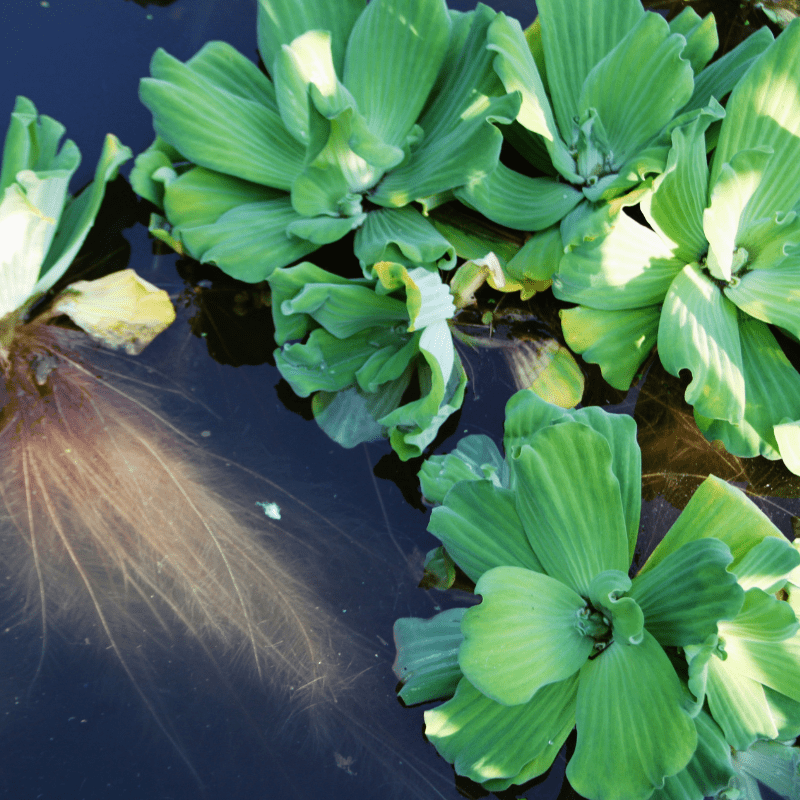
120 310
549 369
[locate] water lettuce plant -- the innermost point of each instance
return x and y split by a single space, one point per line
42 226
254 173
563 637
716 268
359 344
601 91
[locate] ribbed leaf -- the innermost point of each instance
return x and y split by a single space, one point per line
392 40
281 21
629 268
516 68
676 207
699 332
720 510
630 703
480 529
764 111
700 34
486 741
577 534
523 636
618 341
767 565
217 129
475 458
427 656
517 201
575 42
685 596
773 396
636 102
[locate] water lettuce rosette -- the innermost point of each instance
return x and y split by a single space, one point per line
601 90
563 637
717 266
368 110
359 345
42 226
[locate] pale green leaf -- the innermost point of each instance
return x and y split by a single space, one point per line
480 529
427 656
575 535
486 741
700 34
618 341
699 331
523 636
630 703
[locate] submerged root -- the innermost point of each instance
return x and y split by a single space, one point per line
120 528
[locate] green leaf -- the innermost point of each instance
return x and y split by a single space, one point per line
475 458
79 214
722 511
629 705
520 202
618 341
499 745
401 235
763 112
411 37
281 21
479 526
427 656
636 103
700 34
688 592
576 534
523 636
773 388
767 565
217 129
699 331
575 43
631 267
607 595
516 68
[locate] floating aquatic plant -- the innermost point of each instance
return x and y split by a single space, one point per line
254 173
360 345
563 637
716 268
601 91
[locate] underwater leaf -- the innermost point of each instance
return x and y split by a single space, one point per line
629 703
688 592
479 526
523 636
573 543
427 656
475 458
549 369
439 571
618 341
699 331
120 310
499 745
